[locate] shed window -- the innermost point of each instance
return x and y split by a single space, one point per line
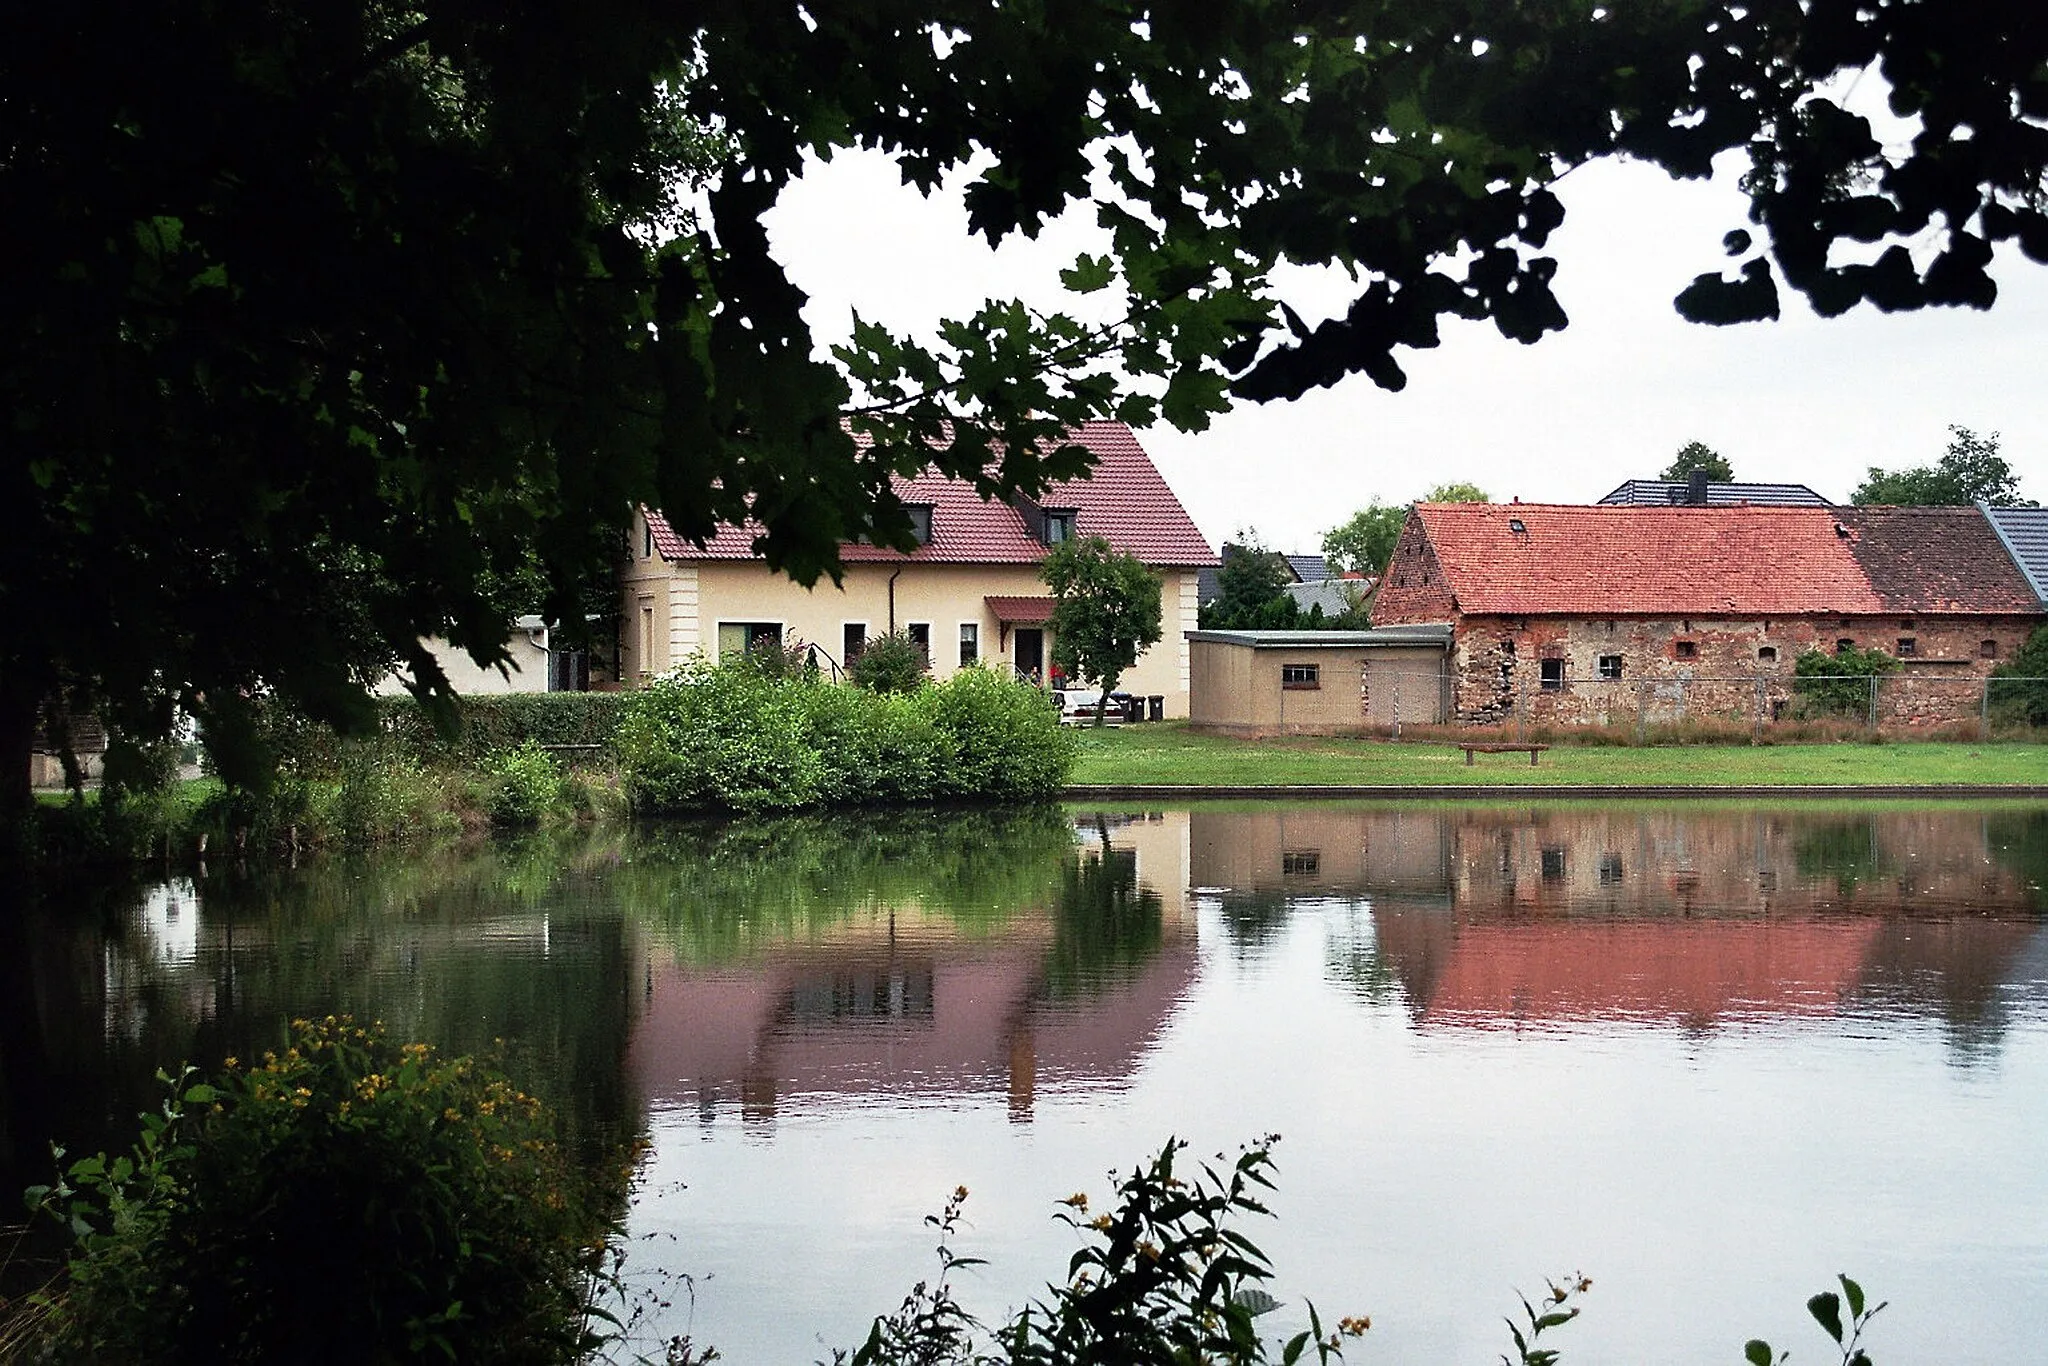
1688 649
1908 647
1610 666
1301 675
1301 862
1987 649
1553 674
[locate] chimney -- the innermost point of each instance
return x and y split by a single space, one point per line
1696 490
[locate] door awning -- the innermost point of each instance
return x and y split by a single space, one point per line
1019 611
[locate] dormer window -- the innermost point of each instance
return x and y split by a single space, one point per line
920 522
1059 526
1518 526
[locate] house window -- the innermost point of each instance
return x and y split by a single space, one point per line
853 638
1301 862
1610 666
1987 649
646 635
1553 675
1844 645
646 540
1767 654
735 638
1688 649
1059 526
920 522
970 642
920 633
1301 675
1908 647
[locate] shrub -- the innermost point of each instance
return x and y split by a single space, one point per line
711 737
1839 684
2019 687
348 1197
524 785
889 664
1005 740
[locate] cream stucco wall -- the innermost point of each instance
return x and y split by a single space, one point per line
671 611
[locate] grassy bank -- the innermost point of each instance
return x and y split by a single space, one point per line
1170 754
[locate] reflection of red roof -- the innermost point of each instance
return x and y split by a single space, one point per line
1694 560
1125 501
1020 609
1697 971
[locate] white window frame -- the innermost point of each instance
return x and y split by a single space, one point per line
959 641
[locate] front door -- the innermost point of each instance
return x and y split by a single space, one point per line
1031 653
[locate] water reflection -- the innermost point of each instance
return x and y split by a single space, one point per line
1696 916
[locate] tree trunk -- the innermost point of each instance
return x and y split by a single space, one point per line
18 705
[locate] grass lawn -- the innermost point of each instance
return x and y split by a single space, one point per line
1169 754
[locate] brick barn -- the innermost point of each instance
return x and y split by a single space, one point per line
1614 614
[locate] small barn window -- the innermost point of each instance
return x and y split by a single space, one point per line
1844 645
1908 647
1767 654
1610 666
1301 675
1687 649
1987 649
1553 675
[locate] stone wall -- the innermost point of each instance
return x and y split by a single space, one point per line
1665 670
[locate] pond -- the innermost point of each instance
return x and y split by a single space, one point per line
1708 1054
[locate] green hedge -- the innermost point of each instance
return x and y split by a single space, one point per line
731 738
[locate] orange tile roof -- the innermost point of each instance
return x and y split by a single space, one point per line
1748 561
1125 501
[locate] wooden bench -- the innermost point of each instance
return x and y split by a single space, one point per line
1473 749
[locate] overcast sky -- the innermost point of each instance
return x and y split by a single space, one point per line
1801 400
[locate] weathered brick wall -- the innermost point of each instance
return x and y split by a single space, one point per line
1413 588
1661 670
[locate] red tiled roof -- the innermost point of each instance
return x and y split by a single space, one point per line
1014 610
1125 501
1751 561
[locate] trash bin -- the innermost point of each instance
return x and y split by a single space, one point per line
1155 708
1134 708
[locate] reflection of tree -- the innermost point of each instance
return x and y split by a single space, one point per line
2018 841
1106 924
1353 960
712 892
1253 918
1847 850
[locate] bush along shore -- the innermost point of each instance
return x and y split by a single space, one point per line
758 734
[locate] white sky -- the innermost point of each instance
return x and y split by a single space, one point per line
1801 400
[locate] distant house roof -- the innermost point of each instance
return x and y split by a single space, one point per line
1665 492
1603 560
1308 568
1334 596
2024 533
1124 500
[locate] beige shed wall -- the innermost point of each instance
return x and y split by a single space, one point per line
1238 686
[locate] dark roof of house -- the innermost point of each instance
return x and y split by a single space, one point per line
1308 568
1124 500
1666 492
2024 532
1334 596
1607 560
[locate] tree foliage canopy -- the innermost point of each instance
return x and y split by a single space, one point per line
1105 610
1365 543
1970 471
1696 457
319 319
1456 493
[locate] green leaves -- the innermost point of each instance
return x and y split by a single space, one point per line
1107 608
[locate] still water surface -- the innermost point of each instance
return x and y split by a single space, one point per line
1709 1055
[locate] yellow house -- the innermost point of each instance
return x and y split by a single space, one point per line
970 593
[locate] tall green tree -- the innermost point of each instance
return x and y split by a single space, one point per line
1970 471
1696 457
1105 611
1365 543
1251 589
315 316
1456 493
